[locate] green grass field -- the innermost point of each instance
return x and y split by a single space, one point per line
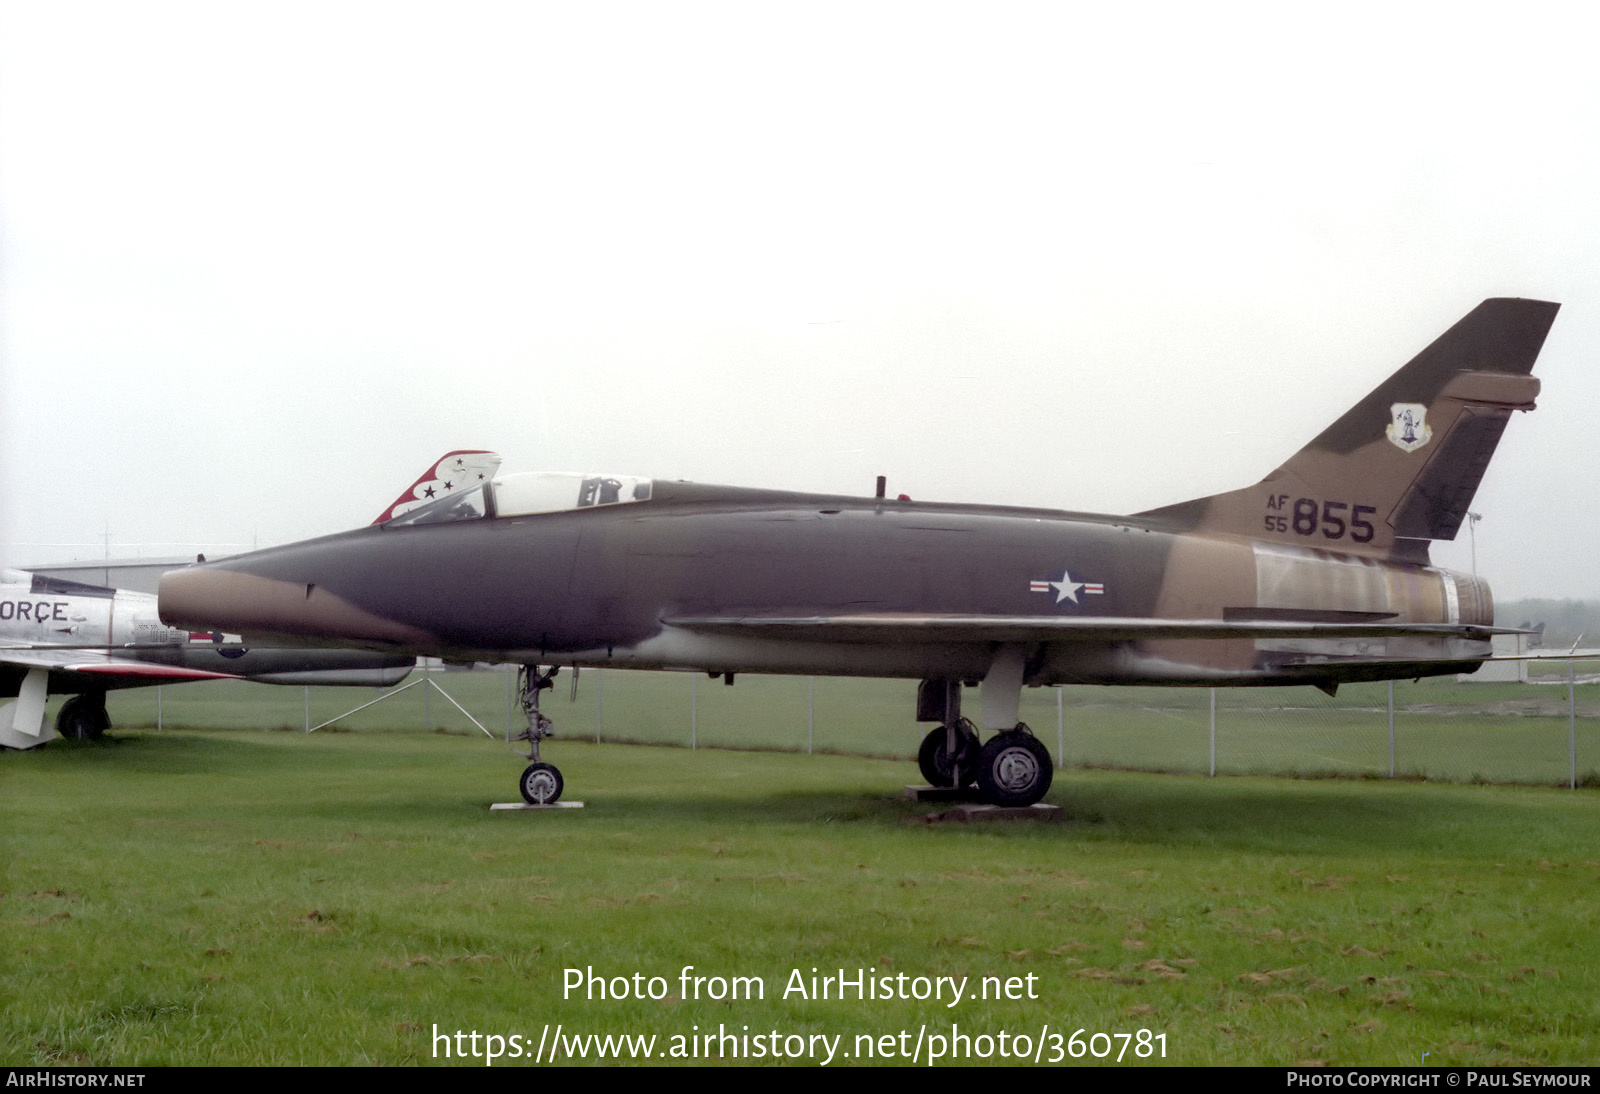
237 897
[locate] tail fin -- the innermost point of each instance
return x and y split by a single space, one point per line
458 470
1402 465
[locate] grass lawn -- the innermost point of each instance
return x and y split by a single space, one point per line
249 897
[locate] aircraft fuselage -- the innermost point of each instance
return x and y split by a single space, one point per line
634 585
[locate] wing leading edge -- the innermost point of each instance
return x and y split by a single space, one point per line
102 663
913 627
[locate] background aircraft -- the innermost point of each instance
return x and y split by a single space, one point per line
60 636
1316 575
134 649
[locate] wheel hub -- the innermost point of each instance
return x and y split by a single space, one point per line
541 787
1016 769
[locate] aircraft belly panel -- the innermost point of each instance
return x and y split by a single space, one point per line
674 648
256 663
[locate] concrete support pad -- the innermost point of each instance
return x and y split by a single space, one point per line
943 794
524 807
982 811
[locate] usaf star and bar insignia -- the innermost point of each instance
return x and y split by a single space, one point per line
1066 588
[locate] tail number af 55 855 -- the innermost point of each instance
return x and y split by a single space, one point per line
1307 518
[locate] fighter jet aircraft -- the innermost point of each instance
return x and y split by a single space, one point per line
1318 574
59 636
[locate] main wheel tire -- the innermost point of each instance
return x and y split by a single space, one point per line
81 719
1014 769
541 784
934 760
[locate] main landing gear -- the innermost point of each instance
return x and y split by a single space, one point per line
83 717
541 783
1012 769
949 754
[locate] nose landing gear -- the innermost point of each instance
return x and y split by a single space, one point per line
541 783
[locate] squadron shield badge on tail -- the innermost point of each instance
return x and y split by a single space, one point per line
1408 426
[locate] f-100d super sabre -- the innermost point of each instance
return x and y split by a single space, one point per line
1318 574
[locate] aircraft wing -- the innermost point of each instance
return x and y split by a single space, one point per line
22 721
915 627
102 662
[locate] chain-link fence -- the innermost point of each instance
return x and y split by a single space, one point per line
1546 731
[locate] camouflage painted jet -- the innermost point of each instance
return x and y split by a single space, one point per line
1318 574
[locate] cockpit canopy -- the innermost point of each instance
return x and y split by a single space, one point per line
528 493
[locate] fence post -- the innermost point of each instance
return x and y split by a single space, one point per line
596 706
1391 729
1213 733
1572 723
694 709
1061 739
811 713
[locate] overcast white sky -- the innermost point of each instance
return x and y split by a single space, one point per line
261 263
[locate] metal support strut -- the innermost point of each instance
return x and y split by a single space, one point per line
530 682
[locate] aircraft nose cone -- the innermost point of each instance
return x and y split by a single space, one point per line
227 599
203 598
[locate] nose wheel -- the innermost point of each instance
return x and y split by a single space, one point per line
541 783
